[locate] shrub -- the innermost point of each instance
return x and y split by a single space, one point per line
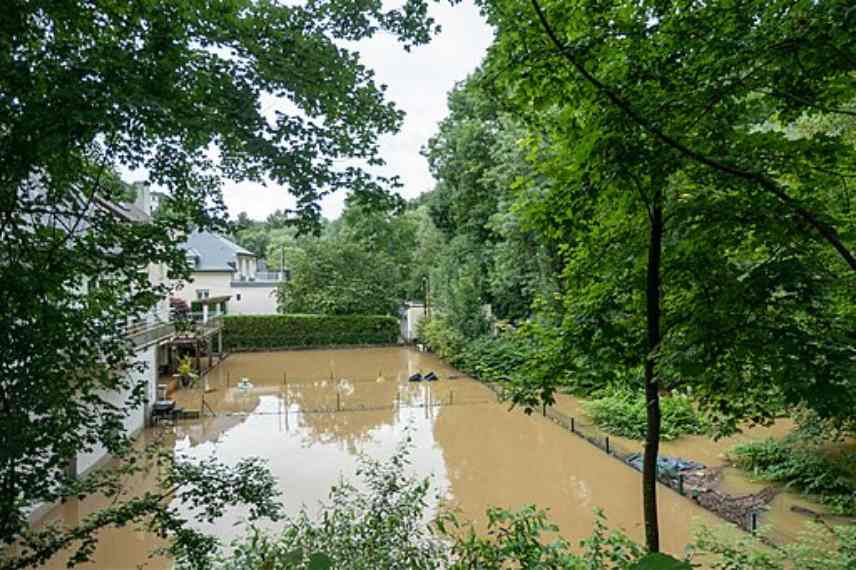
444 340
805 468
484 357
621 411
291 331
819 547
491 358
379 524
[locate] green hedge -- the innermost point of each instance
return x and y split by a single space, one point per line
295 331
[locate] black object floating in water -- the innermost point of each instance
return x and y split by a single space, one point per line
431 377
415 377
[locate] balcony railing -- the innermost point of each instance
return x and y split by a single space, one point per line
261 277
149 331
269 276
198 323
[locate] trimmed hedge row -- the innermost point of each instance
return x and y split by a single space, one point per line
297 331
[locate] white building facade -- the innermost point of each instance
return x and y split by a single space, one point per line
222 268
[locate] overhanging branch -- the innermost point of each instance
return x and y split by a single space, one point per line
826 231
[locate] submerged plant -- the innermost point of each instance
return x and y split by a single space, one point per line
806 468
621 411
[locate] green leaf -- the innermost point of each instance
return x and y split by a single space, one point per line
658 561
320 561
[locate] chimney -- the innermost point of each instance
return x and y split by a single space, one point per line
143 201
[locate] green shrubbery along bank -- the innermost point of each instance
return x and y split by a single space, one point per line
620 410
516 358
247 333
804 467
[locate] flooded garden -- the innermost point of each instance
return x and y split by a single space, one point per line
312 414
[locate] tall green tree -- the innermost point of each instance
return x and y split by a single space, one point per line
90 88
477 159
338 277
712 91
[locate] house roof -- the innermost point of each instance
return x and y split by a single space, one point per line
213 252
128 211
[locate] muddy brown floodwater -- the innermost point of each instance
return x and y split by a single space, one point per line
780 522
476 452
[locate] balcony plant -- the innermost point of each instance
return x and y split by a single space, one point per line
185 374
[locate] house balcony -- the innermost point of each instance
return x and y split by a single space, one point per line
149 331
205 323
260 279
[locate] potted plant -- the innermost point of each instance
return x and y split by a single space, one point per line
185 374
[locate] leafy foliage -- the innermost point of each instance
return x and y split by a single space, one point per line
91 88
820 547
516 540
832 481
288 331
711 245
621 411
185 491
369 261
334 278
380 524
484 357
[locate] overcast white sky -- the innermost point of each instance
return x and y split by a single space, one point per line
418 83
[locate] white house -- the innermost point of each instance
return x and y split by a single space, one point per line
222 268
148 333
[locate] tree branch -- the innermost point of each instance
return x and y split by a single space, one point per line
826 231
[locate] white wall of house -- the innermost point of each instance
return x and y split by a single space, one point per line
246 266
247 297
218 283
410 318
253 299
136 419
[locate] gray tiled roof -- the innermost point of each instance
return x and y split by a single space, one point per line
213 252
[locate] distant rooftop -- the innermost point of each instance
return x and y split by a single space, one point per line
213 252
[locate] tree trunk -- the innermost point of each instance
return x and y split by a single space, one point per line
652 387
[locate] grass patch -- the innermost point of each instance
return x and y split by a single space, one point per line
805 468
621 411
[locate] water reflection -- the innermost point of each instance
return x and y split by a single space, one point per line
476 452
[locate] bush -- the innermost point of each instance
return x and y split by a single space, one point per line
291 331
819 547
805 468
485 357
444 340
379 524
621 411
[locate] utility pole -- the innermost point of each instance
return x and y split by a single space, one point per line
282 262
426 284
